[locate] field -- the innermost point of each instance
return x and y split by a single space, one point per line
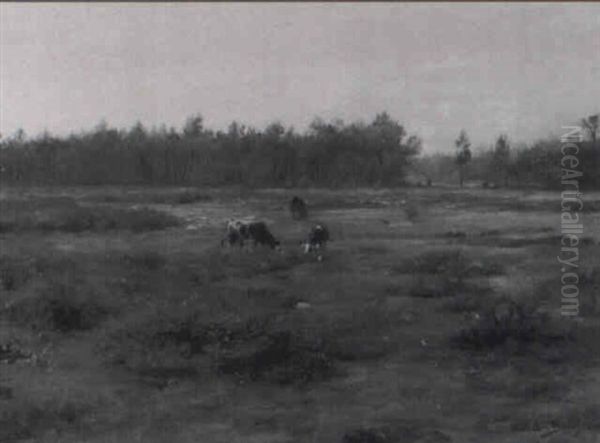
433 317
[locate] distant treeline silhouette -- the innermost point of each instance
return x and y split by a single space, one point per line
328 154
334 154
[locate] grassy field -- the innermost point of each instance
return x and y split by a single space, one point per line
432 318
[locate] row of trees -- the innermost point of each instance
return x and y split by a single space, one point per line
327 154
538 164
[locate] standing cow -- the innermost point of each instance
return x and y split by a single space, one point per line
298 208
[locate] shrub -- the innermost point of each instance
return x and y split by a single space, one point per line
254 347
60 307
505 319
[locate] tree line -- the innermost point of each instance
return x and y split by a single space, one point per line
506 165
328 154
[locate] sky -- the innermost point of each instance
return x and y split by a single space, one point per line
521 69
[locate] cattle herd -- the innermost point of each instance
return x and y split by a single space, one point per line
240 232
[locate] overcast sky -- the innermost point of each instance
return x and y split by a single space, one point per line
522 69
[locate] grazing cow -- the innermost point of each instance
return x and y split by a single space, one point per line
317 239
260 234
238 231
298 208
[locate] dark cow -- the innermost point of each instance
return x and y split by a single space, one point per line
317 239
298 208
239 231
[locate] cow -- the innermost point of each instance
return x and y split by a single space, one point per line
298 208
239 231
316 240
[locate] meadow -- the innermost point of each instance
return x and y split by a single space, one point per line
433 317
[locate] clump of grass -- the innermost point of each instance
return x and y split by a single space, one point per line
465 302
453 235
437 273
367 435
436 262
11 352
505 320
147 260
399 431
59 306
589 284
284 357
14 272
254 347
26 415
443 273
575 417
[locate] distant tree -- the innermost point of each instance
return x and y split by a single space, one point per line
463 154
193 126
501 158
20 136
591 125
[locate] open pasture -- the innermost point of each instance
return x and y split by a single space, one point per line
433 317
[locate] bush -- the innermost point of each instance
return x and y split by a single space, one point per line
28 414
254 347
506 320
284 357
59 307
13 273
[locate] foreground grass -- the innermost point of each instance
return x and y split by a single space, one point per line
403 333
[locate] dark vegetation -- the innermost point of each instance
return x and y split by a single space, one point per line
329 154
379 153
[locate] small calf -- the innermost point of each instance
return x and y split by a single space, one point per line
317 239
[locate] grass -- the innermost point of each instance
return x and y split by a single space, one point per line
446 273
504 320
423 331
20 216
